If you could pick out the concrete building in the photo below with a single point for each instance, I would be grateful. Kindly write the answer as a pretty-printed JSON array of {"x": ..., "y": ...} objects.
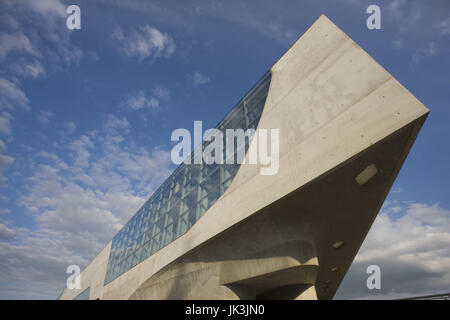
[{"x": 228, "y": 232}]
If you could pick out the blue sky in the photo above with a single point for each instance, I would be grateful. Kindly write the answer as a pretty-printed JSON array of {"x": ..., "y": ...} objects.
[{"x": 86, "y": 117}]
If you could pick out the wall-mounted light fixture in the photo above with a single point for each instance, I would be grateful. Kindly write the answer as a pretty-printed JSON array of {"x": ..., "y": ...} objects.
[{"x": 368, "y": 173}]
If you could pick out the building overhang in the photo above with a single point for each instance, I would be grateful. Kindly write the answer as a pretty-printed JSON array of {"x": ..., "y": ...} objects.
[{"x": 346, "y": 126}]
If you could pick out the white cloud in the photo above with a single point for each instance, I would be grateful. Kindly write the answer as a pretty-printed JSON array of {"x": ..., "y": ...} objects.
[
  {"x": 142, "y": 100},
  {"x": 406, "y": 14},
  {"x": 33, "y": 69},
  {"x": 414, "y": 28},
  {"x": 145, "y": 42},
  {"x": 399, "y": 43},
  {"x": 78, "y": 203},
  {"x": 200, "y": 79},
  {"x": 116, "y": 126},
  {"x": 5, "y": 123},
  {"x": 48, "y": 8},
  {"x": 11, "y": 96},
  {"x": 44, "y": 117},
  {"x": 70, "y": 54},
  {"x": 9, "y": 22},
  {"x": 48, "y": 155},
  {"x": 2, "y": 146},
  {"x": 17, "y": 42},
  {"x": 37, "y": 29},
  {"x": 81, "y": 149},
  {"x": 429, "y": 51},
  {"x": 397, "y": 190},
  {"x": 444, "y": 27},
  {"x": 411, "y": 244},
  {"x": 70, "y": 126},
  {"x": 38, "y": 258},
  {"x": 161, "y": 93},
  {"x": 273, "y": 27},
  {"x": 6, "y": 233},
  {"x": 32, "y": 32},
  {"x": 4, "y": 211},
  {"x": 5, "y": 162},
  {"x": 396, "y": 7}
]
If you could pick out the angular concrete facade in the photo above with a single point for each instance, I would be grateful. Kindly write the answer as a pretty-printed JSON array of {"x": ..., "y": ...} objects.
[{"x": 346, "y": 126}]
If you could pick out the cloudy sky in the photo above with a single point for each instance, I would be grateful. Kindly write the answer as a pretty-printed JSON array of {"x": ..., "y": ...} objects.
[{"x": 86, "y": 117}]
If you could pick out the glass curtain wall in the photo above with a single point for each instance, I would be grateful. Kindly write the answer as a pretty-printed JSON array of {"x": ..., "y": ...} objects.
[{"x": 186, "y": 195}]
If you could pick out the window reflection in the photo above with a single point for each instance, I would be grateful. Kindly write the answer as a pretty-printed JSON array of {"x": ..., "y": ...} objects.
[{"x": 85, "y": 295}]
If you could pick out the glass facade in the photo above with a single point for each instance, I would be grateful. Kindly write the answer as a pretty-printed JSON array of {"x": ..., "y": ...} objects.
[
  {"x": 186, "y": 195},
  {"x": 85, "y": 295}
]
